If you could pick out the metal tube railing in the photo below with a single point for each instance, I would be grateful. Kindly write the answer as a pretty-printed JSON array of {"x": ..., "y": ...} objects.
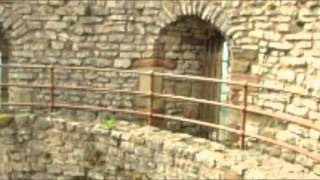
[
  {"x": 243, "y": 114},
  {"x": 243, "y": 108}
]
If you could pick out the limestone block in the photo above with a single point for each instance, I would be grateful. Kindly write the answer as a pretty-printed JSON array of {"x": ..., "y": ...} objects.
[
  {"x": 299, "y": 130},
  {"x": 283, "y": 27},
  {"x": 288, "y": 137},
  {"x": 122, "y": 63},
  {"x": 90, "y": 19},
  {"x": 239, "y": 66},
  {"x": 256, "y": 34},
  {"x": 281, "y": 19},
  {"x": 299, "y": 111},
  {"x": 274, "y": 105},
  {"x": 72, "y": 10},
  {"x": 98, "y": 10},
  {"x": 57, "y": 45},
  {"x": 299, "y": 36},
  {"x": 286, "y": 75},
  {"x": 293, "y": 61},
  {"x": 305, "y": 161},
  {"x": 272, "y": 36},
  {"x": 268, "y": 132},
  {"x": 95, "y": 175},
  {"x": 285, "y": 46},
  {"x": 55, "y": 25},
  {"x": 258, "y": 70},
  {"x": 316, "y": 169},
  {"x": 5, "y": 119},
  {"x": 314, "y": 115},
  {"x": 255, "y": 174}
]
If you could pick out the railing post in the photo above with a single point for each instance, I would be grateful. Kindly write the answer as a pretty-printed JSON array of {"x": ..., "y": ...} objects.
[
  {"x": 51, "y": 88},
  {"x": 151, "y": 97},
  {"x": 243, "y": 114}
]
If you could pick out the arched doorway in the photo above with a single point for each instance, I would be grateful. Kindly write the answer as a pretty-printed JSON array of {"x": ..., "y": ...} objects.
[{"x": 197, "y": 48}]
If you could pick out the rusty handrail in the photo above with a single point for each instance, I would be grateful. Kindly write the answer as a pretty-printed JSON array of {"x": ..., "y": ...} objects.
[
  {"x": 151, "y": 75},
  {"x": 244, "y": 108},
  {"x": 285, "y": 117},
  {"x": 51, "y": 88},
  {"x": 195, "y": 100},
  {"x": 239, "y": 132},
  {"x": 282, "y": 90},
  {"x": 198, "y": 78},
  {"x": 99, "y": 108},
  {"x": 24, "y": 85},
  {"x": 243, "y": 114},
  {"x": 280, "y": 116}
]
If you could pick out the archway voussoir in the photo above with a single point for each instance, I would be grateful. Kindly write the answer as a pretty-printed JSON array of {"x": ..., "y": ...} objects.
[
  {"x": 9, "y": 21},
  {"x": 200, "y": 7},
  {"x": 215, "y": 15},
  {"x": 19, "y": 31},
  {"x": 206, "y": 12},
  {"x": 194, "y": 7},
  {"x": 183, "y": 7},
  {"x": 188, "y": 10},
  {"x": 219, "y": 22},
  {"x": 224, "y": 27},
  {"x": 168, "y": 14}
]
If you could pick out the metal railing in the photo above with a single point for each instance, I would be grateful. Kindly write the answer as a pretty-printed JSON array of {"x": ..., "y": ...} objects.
[{"x": 243, "y": 108}]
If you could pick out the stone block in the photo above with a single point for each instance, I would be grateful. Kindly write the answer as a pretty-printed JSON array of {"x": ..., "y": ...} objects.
[
  {"x": 90, "y": 19},
  {"x": 5, "y": 119},
  {"x": 293, "y": 61},
  {"x": 122, "y": 63},
  {"x": 55, "y": 25},
  {"x": 305, "y": 161},
  {"x": 285, "y": 46},
  {"x": 244, "y": 54},
  {"x": 299, "y": 36},
  {"x": 298, "y": 111},
  {"x": 287, "y": 137},
  {"x": 286, "y": 75},
  {"x": 240, "y": 66},
  {"x": 299, "y": 130}
]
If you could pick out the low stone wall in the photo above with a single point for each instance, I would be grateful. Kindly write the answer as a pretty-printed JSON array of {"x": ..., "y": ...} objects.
[{"x": 51, "y": 148}]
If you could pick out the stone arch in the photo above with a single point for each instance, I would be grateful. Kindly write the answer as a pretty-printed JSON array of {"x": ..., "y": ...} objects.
[
  {"x": 12, "y": 28},
  {"x": 206, "y": 11},
  {"x": 214, "y": 23}
]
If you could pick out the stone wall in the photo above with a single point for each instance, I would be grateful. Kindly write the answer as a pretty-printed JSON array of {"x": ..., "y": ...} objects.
[
  {"x": 33, "y": 147},
  {"x": 276, "y": 43}
]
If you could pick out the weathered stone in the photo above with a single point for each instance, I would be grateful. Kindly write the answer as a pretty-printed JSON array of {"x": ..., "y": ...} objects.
[
  {"x": 57, "y": 45},
  {"x": 314, "y": 134},
  {"x": 298, "y": 36},
  {"x": 240, "y": 66},
  {"x": 5, "y": 119},
  {"x": 287, "y": 137},
  {"x": 285, "y": 46},
  {"x": 90, "y": 20},
  {"x": 122, "y": 63},
  {"x": 293, "y": 61},
  {"x": 305, "y": 161},
  {"x": 55, "y": 25},
  {"x": 298, "y": 130},
  {"x": 244, "y": 54},
  {"x": 299, "y": 111},
  {"x": 287, "y": 75}
]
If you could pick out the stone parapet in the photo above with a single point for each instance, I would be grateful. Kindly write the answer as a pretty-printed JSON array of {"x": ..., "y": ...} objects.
[{"x": 34, "y": 147}]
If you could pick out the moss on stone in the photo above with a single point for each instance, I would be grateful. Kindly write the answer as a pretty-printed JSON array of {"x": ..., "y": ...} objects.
[{"x": 5, "y": 119}]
